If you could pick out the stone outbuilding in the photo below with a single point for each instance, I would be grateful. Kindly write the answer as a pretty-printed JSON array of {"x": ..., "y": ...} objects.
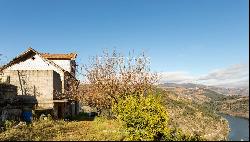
[{"x": 45, "y": 76}]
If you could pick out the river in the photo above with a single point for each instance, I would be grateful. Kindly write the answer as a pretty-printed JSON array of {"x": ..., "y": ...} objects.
[{"x": 239, "y": 128}]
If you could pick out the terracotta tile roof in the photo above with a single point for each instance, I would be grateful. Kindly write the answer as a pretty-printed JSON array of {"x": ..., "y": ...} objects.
[{"x": 70, "y": 56}]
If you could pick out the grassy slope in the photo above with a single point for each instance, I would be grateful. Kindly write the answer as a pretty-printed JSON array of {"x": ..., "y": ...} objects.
[{"x": 96, "y": 130}]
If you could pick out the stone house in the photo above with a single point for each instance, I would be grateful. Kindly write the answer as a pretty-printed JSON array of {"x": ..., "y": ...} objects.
[{"x": 46, "y": 77}]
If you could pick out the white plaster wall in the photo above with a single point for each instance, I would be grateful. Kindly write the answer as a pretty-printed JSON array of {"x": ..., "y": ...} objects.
[
  {"x": 37, "y": 64},
  {"x": 30, "y": 64},
  {"x": 65, "y": 64}
]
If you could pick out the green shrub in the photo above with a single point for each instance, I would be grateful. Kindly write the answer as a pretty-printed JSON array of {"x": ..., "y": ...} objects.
[
  {"x": 145, "y": 118},
  {"x": 174, "y": 134}
]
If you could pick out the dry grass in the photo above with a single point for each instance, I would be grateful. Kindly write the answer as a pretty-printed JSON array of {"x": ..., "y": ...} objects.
[{"x": 96, "y": 130}]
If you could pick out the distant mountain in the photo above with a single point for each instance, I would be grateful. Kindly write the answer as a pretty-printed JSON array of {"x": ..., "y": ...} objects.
[
  {"x": 232, "y": 101},
  {"x": 220, "y": 90},
  {"x": 231, "y": 91},
  {"x": 184, "y": 85}
]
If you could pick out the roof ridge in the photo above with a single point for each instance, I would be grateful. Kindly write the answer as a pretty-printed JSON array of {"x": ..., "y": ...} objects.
[
  {"x": 23, "y": 53},
  {"x": 71, "y": 56},
  {"x": 36, "y": 52}
]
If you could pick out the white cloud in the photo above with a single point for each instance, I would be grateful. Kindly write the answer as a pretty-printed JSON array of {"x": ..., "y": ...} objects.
[
  {"x": 233, "y": 72},
  {"x": 233, "y": 76},
  {"x": 176, "y": 77}
]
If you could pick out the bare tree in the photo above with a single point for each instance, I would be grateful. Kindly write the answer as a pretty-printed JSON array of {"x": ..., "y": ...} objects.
[
  {"x": 111, "y": 77},
  {"x": 71, "y": 89},
  {"x": 0, "y": 61}
]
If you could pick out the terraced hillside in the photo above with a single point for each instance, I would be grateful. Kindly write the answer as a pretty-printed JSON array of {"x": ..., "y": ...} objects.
[
  {"x": 193, "y": 117},
  {"x": 236, "y": 105}
]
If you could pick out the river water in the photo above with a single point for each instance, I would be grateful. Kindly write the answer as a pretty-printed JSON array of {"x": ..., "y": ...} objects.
[{"x": 239, "y": 128}]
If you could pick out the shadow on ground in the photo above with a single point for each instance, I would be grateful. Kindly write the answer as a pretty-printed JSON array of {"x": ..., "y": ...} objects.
[{"x": 83, "y": 116}]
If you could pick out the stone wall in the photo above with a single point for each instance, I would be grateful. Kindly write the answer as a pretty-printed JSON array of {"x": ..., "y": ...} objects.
[
  {"x": 7, "y": 90},
  {"x": 42, "y": 84},
  {"x": 57, "y": 84},
  {"x": 10, "y": 107},
  {"x": 36, "y": 63}
]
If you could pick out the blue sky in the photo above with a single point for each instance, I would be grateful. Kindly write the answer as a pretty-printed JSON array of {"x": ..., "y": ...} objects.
[{"x": 194, "y": 37}]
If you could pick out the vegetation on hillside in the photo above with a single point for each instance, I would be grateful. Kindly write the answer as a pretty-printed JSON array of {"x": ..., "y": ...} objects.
[
  {"x": 122, "y": 86},
  {"x": 145, "y": 118},
  {"x": 137, "y": 109},
  {"x": 193, "y": 117},
  {"x": 236, "y": 105},
  {"x": 233, "y": 105}
]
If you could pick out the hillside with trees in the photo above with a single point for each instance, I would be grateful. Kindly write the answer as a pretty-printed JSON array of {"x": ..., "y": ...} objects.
[{"x": 213, "y": 98}]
